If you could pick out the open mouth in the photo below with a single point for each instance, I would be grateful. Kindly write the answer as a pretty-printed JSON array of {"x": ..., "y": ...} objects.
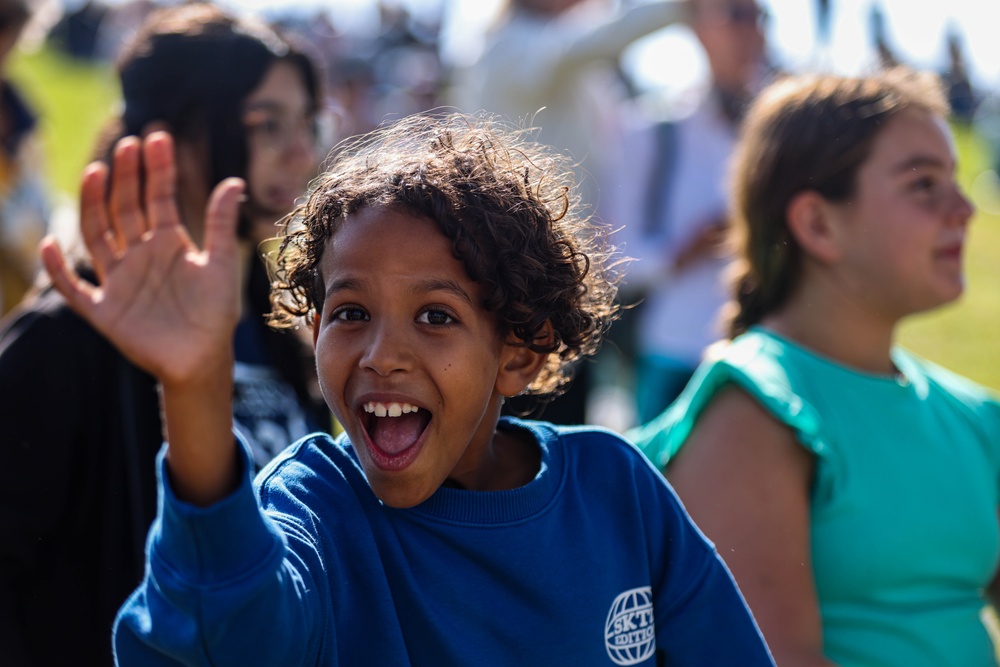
[{"x": 394, "y": 432}]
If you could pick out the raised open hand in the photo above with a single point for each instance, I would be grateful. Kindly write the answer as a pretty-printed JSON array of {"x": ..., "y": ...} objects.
[{"x": 170, "y": 307}]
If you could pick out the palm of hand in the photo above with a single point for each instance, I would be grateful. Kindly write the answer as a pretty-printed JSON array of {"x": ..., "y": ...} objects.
[{"x": 168, "y": 306}]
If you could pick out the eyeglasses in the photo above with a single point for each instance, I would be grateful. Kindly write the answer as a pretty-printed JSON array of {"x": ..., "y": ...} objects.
[{"x": 278, "y": 132}]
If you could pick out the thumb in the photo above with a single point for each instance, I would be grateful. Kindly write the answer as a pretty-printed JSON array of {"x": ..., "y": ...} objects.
[{"x": 79, "y": 294}]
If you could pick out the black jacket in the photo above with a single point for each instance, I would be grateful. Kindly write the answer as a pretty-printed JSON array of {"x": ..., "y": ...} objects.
[{"x": 79, "y": 432}]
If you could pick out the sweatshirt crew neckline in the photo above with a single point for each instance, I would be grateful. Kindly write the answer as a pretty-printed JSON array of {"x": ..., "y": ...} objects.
[{"x": 508, "y": 506}]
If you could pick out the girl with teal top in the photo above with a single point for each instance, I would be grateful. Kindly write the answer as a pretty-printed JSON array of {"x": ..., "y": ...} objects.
[{"x": 851, "y": 486}]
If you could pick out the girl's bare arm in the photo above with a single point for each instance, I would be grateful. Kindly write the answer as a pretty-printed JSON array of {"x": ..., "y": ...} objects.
[{"x": 745, "y": 482}]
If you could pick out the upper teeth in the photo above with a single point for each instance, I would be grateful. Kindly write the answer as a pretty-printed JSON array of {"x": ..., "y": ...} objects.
[{"x": 389, "y": 409}]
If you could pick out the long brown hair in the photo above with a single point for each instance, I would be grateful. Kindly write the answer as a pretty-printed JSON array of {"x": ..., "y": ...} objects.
[{"x": 806, "y": 132}]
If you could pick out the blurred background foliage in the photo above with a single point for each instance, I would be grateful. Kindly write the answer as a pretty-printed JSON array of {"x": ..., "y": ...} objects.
[{"x": 74, "y": 98}]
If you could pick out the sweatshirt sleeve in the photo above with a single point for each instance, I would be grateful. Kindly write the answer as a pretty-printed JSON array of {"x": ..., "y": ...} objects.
[
  {"x": 221, "y": 587},
  {"x": 701, "y": 616}
]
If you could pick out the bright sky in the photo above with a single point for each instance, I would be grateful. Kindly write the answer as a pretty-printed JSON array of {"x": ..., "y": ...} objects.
[{"x": 915, "y": 28}]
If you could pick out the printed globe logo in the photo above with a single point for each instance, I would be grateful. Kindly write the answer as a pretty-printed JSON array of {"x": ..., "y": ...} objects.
[{"x": 630, "y": 635}]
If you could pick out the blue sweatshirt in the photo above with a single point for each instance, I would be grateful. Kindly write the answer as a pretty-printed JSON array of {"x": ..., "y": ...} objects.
[{"x": 594, "y": 562}]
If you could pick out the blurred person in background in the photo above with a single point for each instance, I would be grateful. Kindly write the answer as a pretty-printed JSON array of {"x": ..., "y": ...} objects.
[
  {"x": 553, "y": 65},
  {"x": 81, "y": 424},
  {"x": 670, "y": 203},
  {"x": 962, "y": 95},
  {"x": 24, "y": 204},
  {"x": 885, "y": 52},
  {"x": 376, "y": 73},
  {"x": 75, "y": 32},
  {"x": 853, "y": 487}
]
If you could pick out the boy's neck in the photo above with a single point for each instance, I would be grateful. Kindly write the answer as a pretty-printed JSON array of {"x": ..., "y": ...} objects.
[{"x": 513, "y": 460}]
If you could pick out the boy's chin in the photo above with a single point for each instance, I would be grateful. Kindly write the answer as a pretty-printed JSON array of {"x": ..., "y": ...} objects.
[
  {"x": 393, "y": 495},
  {"x": 398, "y": 489}
]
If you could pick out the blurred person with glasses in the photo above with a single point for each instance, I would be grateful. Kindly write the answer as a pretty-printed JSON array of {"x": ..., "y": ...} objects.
[
  {"x": 670, "y": 204},
  {"x": 287, "y": 138},
  {"x": 82, "y": 424}
]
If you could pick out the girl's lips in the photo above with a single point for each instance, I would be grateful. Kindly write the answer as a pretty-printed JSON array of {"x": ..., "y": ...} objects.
[{"x": 951, "y": 252}]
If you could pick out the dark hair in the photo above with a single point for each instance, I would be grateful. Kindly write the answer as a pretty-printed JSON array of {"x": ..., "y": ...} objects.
[
  {"x": 806, "y": 132},
  {"x": 509, "y": 208},
  {"x": 14, "y": 13},
  {"x": 191, "y": 66}
]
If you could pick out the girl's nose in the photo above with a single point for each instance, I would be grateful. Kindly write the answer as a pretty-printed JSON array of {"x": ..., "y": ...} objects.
[
  {"x": 963, "y": 209},
  {"x": 299, "y": 152}
]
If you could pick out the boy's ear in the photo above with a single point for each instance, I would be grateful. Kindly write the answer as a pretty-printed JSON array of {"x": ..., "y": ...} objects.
[
  {"x": 520, "y": 365},
  {"x": 812, "y": 223}
]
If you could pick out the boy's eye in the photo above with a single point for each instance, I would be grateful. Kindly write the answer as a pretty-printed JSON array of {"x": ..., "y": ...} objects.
[
  {"x": 350, "y": 314},
  {"x": 436, "y": 317}
]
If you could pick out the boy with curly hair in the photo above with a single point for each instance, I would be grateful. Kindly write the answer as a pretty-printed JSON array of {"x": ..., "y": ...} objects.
[{"x": 444, "y": 267}]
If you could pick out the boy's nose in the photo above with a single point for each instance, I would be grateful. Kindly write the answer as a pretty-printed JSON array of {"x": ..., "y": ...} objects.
[{"x": 388, "y": 349}]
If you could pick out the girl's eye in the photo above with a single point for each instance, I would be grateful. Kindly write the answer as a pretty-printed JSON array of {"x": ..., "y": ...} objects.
[
  {"x": 271, "y": 126},
  {"x": 435, "y": 317},
  {"x": 350, "y": 314},
  {"x": 925, "y": 184}
]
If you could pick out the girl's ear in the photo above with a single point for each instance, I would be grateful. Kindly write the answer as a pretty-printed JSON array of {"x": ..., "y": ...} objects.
[
  {"x": 812, "y": 223},
  {"x": 315, "y": 328},
  {"x": 520, "y": 365}
]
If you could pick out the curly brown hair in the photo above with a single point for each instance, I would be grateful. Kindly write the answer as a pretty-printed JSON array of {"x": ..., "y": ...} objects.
[{"x": 507, "y": 204}]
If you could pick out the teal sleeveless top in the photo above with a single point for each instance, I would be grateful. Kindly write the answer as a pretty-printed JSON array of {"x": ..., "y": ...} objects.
[{"x": 905, "y": 532}]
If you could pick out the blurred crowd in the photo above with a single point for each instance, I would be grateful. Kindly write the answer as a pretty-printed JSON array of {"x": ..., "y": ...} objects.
[
  {"x": 652, "y": 166},
  {"x": 577, "y": 91}
]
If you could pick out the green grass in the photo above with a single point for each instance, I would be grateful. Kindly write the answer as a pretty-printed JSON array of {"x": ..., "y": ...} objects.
[
  {"x": 965, "y": 336},
  {"x": 75, "y": 100}
]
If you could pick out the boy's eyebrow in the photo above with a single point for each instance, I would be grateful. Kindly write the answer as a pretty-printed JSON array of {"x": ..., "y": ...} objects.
[
  {"x": 342, "y": 285},
  {"x": 442, "y": 285},
  {"x": 418, "y": 287}
]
